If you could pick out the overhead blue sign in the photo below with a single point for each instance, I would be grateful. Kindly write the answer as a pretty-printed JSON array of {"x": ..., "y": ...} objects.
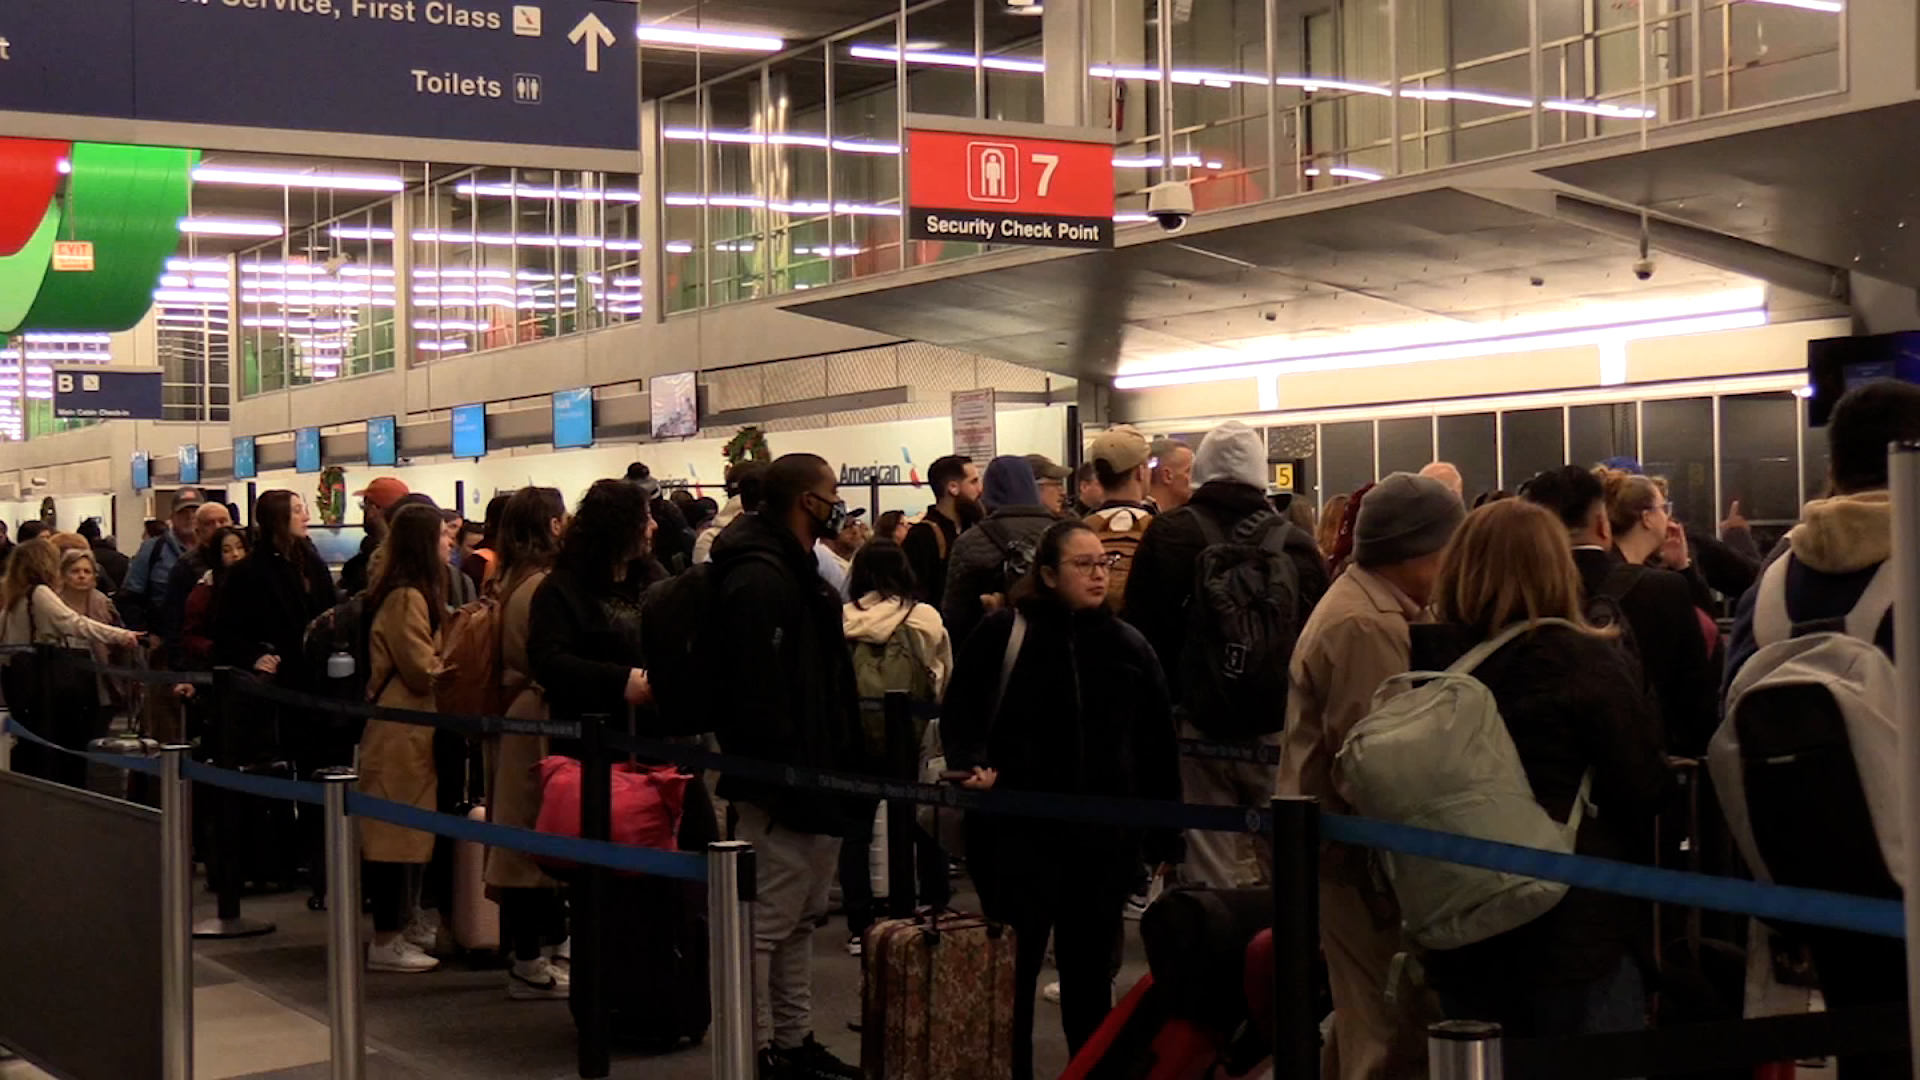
[
  {"x": 306, "y": 450},
  {"x": 246, "y": 461},
  {"x": 381, "y": 448},
  {"x": 470, "y": 431},
  {"x": 142, "y": 471},
  {"x": 189, "y": 464},
  {"x": 104, "y": 393},
  {"x": 572, "y": 418},
  {"x": 546, "y": 72}
]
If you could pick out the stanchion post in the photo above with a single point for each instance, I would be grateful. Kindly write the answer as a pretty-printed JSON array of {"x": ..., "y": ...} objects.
[
  {"x": 176, "y": 915},
  {"x": 344, "y": 958},
  {"x": 1463, "y": 1050},
  {"x": 229, "y": 880},
  {"x": 1296, "y": 935},
  {"x": 590, "y": 903},
  {"x": 1904, "y": 472},
  {"x": 903, "y": 758},
  {"x": 731, "y": 884}
]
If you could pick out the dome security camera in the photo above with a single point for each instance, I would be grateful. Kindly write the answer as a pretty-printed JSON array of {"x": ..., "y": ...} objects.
[
  {"x": 1171, "y": 205},
  {"x": 1643, "y": 268}
]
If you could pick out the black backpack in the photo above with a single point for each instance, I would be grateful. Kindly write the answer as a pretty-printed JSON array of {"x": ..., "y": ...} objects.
[
  {"x": 1242, "y": 622},
  {"x": 680, "y": 642},
  {"x": 346, "y": 627},
  {"x": 1016, "y": 553},
  {"x": 140, "y": 610}
]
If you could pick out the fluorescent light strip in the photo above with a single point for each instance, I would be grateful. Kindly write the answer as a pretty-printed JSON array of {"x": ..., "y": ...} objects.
[
  {"x": 1830, "y": 7},
  {"x": 710, "y": 39},
  {"x": 1701, "y": 324},
  {"x": 208, "y": 266},
  {"x": 1349, "y": 173},
  {"x": 223, "y": 227},
  {"x": 1187, "y": 77},
  {"x": 67, "y": 339},
  {"x": 221, "y": 174},
  {"x": 427, "y": 236},
  {"x": 529, "y": 191},
  {"x": 755, "y": 138}
]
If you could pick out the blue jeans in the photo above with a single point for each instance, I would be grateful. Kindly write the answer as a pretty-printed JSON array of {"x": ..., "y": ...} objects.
[{"x": 1613, "y": 1002}]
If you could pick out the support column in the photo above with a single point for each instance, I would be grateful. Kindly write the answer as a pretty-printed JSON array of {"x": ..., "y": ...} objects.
[
  {"x": 1064, "y": 45},
  {"x": 653, "y": 211}
]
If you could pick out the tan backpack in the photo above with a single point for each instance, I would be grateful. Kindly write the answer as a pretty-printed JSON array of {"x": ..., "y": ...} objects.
[{"x": 1120, "y": 529}]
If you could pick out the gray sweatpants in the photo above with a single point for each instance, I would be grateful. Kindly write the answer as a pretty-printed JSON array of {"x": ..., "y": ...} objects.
[
  {"x": 795, "y": 872},
  {"x": 1222, "y": 860}
]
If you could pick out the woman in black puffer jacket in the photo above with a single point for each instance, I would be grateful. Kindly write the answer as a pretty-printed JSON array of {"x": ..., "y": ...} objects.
[
  {"x": 1085, "y": 712},
  {"x": 1571, "y": 703}
]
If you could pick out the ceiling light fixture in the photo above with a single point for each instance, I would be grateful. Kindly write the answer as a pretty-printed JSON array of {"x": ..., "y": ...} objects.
[
  {"x": 528, "y": 191},
  {"x": 222, "y": 174},
  {"x": 1346, "y": 171},
  {"x": 710, "y": 39},
  {"x": 1309, "y": 84},
  {"x": 1830, "y": 7},
  {"x": 225, "y": 227}
]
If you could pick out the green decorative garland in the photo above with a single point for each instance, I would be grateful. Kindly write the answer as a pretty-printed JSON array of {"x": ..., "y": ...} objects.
[
  {"x": 747, "y": 444},
  {"x": 331, "y": 498}
]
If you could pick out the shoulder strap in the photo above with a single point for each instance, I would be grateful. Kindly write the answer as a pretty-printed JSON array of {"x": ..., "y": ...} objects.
[
  {"x": 1480, "y": 653},
  {"x": 1771, "y": 623},
  {"x": 1210, "y": 531},
  {"x": 1872, "y": 608},
  {"x": 1011, "y": 657}
]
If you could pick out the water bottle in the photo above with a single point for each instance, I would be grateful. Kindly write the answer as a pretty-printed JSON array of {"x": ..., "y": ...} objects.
[{"x": 340, "y": 665}]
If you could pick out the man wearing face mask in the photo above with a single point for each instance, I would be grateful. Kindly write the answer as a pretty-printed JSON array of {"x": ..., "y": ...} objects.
[{"x": 791, "y": 700}]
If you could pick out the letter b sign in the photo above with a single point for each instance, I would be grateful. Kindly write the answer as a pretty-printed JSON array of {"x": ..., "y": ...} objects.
[{"x": 65, "y": 381}]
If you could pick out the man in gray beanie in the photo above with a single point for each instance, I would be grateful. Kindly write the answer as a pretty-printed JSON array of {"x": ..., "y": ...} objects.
[
  {"x": 1358, "y": 637},
  {"x": 1229, "y": 509}
]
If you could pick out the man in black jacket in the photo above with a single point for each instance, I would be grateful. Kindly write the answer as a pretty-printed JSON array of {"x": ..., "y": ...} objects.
[
  {"x": 111, "y": 563},
  {"x": 956, "y": 488},
  {"x": 1657, "y": 604},
  {"x": 1230, "y": 469},
  {"x": 790, "y": 699}
]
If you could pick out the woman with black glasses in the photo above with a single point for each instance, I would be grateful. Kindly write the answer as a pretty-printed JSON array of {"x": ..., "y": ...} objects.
[{"x": 1057, "y": 695}]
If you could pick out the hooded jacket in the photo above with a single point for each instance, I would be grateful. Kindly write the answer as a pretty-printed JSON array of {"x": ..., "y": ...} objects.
[
  {"x": 975, "y": 566},
  {"x": 1569, "y": 700},
  {"x": 787, "y": 688},
  {"x": 1678, "y": 670},
  {"x": 875, "y": 619},
  {"x": 703, "y": 544},
  {"x": 1161, "y": 581},
  {"x": 1836, "y": 549}
]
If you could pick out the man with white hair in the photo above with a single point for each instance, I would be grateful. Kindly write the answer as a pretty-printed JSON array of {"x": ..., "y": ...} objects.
[{"x": 1448, "y": 474}]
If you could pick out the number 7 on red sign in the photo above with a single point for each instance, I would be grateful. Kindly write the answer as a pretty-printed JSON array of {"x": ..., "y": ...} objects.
[{"x": 1049, "y": 162}]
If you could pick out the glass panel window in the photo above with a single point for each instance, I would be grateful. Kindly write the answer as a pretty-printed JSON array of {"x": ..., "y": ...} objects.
[
  {"x": 1468, "y": 441},
  {"x": 1759, "y": 460},
  {"x": 1348, "y": 456},
  {"x": 1601, "y": 432},
  {"x": 1679, "y": 447},
  {"x": 1406, "y": 444},
  {"x": 1532, "y": 441},
  {"x": 799, "y": 200},
  {"x": 866, "y": 161}
]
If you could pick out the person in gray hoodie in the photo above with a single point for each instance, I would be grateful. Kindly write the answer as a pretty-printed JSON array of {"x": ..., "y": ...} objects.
[{"x": 990, "y": 557}]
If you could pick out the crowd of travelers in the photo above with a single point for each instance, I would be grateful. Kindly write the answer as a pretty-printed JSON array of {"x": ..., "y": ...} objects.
[{"x": 1074, "y": 631}]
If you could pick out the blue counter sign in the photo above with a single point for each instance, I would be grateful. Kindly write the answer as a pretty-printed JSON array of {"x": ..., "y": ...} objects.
[
  {"x": 470, "y": 431},
  {"x": 246, "y": 461},
  {"x": 572, "y": 418},
  {"x": 142, "y": 471},
  {"x": 189, "y": 463},
  {"x": 382, "y": 451},
  {"x": 306, "y": 450}
]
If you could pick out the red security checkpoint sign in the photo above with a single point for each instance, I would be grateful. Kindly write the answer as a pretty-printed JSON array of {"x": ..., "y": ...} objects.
[{"x": 1004, "y": 183}]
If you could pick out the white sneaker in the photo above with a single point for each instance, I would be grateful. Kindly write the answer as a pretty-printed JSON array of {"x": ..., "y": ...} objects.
[
  {"x": 537, "y": 980},
  {"x": 564, "y": 951},
  {"x": 401, "y": 956},
  {"x": 1051, "y": 993}
]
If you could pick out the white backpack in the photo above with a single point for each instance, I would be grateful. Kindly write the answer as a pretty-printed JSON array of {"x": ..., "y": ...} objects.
[
  {"x": 1434, "y": 753},
  {"x": 1818, "y": 707}
]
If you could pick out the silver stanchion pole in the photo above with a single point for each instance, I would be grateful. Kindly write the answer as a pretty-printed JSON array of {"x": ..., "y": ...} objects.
[
  {"x": 1904, "y": 465},
  {"x": 1463, "y": 1050},
  {"x": 730, "y": 893},
  {"x": 176, "y": 915},
  {"x": 344, "y": 998}
]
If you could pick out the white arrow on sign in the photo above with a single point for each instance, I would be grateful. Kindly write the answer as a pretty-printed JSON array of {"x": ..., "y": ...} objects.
[{"x": 596, "y": 34}]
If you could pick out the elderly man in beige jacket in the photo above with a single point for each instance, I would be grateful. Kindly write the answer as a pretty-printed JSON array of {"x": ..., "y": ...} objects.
[{"x": 1358, "y": 637}]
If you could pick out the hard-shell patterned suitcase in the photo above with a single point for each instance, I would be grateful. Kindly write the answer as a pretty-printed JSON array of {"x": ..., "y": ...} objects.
[{"x": 938, "y": 999}]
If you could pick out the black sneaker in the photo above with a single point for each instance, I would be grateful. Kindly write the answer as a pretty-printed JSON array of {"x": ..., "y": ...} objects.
[{"x": 808, "y": 1061}]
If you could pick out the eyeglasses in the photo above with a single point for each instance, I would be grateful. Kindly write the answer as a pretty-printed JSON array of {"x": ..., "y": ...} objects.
[{"x": 1088, "y": 564}]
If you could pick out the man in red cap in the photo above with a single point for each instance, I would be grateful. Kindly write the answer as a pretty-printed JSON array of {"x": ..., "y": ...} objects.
[{"x": 375, "y": 500}]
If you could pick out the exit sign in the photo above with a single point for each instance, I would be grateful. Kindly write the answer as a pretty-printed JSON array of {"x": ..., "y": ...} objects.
[{"x": 73, "y": 255}]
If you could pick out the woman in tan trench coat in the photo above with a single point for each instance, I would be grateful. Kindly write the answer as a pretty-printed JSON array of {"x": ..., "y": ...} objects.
[
  {"x": 407, "y": 596},
  {"x": 532, "y": 919}
]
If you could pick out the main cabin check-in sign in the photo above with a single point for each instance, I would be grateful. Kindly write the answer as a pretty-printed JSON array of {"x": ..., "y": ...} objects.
[
  {"x": 1004, "y": 183},
  {"x": 537, "y": 72}
]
